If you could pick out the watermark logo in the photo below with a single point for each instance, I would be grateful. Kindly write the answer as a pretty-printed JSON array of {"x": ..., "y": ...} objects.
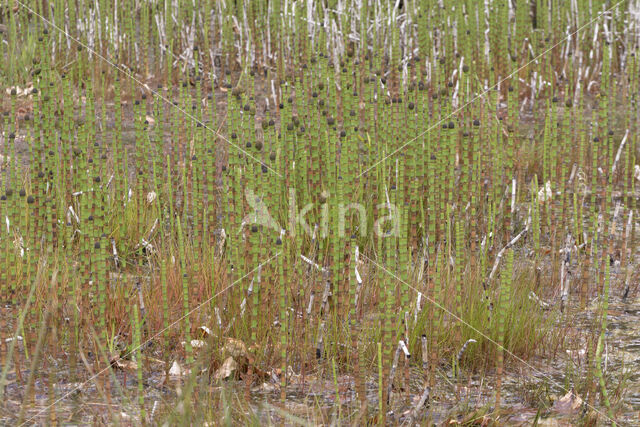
[{"x": 386, "y": 224}]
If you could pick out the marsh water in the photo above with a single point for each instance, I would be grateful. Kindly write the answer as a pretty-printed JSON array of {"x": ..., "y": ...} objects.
[{"x": 540, "y": 388}]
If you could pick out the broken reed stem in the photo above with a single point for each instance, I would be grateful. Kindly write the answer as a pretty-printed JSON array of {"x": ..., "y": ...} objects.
[
  {"x": 392, "y": 372},
  {"x": 424, "y": 397},
  {"x": 620, "y": 148},
  {"x": 456, "y": 366},
  {"x": 508, "y": 245},
  {"x": 564, "y": 272}
]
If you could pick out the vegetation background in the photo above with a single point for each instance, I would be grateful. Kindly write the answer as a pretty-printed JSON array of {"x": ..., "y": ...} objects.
[{"x": 467, "y": 170}]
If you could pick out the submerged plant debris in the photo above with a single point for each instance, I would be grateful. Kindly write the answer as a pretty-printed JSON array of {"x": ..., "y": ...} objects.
[{"x": 319, "y": 212}]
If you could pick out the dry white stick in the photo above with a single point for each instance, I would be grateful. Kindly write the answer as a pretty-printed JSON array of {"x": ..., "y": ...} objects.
[
  {"x": 573, "y": 173},
  {"x": 461, "y": 353},
  {"x": 358, "y": 278},
  {"x": 513, "y": 195},
  {"x": 404, "y": 349},
  {"x": 147, "y": 246},
  {"x": 616, "y": 212},
  {"x": 311, "y": 298},
  {"x": 506, "y": 192},
  {"x": 392, "y": 373},
  {"x": 484, "y": 240},
  {"x": 153, "y": 410},
  {"x": 425, "y": 351},
  {"x": 115, "y": 253},
  {"x": 418, "y": 307},
  {"x": 564, "y": 270},
  {"x": 243, "y": 305},
  {"x": 153, "y": 228},
  {"x": 423, "y": 399},
  {"x": 218, "y": 319},
  {"x": 310, "y": 262},
  {"x": 501, "y": 253},
  {"x": 145, "y": 242},
  {"x": 325, "y": 295},
  {"x": 73, "y": 214},
  {"x": 320, "y": 345},
  {"x": 143, "y": 310},
  {"x": 536, "y": 298}
]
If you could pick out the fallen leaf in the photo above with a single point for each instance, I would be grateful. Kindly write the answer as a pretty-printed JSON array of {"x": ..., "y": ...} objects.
[
  {"x": 177, "y": 371},
  {"x": 545, "y": 193},
  {"x": 125, "y": 365},
  {"x": 265, "y": 388},
  {"x": 235, "y": 348},
  {"x": 196, "y": 344},
  {"x": 227, "y": 369},
  {"x": 567, "y": 404},
  {"x": 124, "y": 417}
]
